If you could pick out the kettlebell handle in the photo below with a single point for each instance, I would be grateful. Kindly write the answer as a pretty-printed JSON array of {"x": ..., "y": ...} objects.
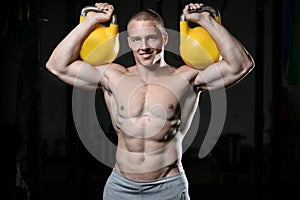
[
  {"x": 87, "y": 9},
  {"x": 213, "y": 12}
]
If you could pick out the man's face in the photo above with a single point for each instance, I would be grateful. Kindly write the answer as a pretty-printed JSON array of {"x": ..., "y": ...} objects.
[{"x": 146, "y": 41}]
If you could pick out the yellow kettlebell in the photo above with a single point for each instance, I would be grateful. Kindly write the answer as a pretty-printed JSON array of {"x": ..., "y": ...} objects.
[
  {"x": 102, "y": 44},
  {"x": 197, "y": 48}
]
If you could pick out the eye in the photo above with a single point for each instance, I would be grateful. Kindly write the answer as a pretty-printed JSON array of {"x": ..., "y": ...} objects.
[
  {"x": 136, "y": 39},
  {"x": 152, "y": 37}
]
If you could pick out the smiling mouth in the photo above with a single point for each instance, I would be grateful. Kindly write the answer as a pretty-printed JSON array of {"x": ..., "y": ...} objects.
[{"x": 146, "y": 55}]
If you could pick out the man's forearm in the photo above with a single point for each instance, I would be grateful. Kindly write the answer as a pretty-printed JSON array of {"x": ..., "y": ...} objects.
[
  {"x": 231, "y": 50},
  {"x": 68, "y": 49}
]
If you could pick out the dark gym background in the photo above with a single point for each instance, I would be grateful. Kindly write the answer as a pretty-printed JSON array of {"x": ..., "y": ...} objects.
[{"x": 256, "y": 157}]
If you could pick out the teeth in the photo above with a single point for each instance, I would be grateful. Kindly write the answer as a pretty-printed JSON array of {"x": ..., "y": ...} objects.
[{"x": 146, "y": 55}]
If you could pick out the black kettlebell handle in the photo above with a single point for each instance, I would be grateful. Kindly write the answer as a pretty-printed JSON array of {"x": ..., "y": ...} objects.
[
  {"x": 213, "y": 12},
  {"x": 87, "y": 9}
]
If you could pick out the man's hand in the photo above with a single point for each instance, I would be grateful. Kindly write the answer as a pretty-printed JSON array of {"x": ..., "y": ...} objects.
[
  {"x": 101, "y": 17},
  {"x": 195, "y": 17}
]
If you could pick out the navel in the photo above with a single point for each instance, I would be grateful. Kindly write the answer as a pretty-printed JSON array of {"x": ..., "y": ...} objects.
[{"x": 122, "y": 107}]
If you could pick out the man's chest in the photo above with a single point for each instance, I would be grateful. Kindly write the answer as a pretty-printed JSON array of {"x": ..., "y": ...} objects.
[{"x": 161, "y": 97}]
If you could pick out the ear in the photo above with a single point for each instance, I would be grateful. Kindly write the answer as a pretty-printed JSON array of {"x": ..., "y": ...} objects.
[
  {"x": 165, "y": 38},
  {"x": 128, "y": 41}
]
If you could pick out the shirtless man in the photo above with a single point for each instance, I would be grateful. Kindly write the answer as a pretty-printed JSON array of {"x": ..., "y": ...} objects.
[{"x": 151, "y": 103}]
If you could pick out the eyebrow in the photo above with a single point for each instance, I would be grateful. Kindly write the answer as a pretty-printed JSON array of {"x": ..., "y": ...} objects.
[{"x": 136, "y": 37}]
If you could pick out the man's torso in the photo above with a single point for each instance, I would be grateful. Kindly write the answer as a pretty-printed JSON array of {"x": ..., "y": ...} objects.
[{"x": 148, "y": 117}]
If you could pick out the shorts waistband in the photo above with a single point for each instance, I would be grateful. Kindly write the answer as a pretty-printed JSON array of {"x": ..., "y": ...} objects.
[{"x": 175, "y": 177}]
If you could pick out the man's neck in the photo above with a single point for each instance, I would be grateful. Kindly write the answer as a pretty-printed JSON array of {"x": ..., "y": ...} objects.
[{"x": 148, "y": 72}]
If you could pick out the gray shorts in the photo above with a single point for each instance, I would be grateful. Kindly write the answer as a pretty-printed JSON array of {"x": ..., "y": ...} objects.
[{"x": 119, "y": 187}]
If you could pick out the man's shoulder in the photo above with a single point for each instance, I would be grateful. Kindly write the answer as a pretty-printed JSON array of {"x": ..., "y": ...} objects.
[
  {"x": 187, "y": 72},
  {"x": 172, "y": 70},
  {"x": 118, "y": 67},
  {"x": 185, "y": 68}
]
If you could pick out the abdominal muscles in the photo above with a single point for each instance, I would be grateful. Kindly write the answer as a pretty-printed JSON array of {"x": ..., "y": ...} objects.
[{"x": 148, "y": 144}]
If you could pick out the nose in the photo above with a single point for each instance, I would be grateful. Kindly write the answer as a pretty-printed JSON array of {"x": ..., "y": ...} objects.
[{"x": 145, "y": 45}]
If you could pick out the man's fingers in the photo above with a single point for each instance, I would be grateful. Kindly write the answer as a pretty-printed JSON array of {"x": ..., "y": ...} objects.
[
  {"x": 104, "y": 6},
  {"x": 195, "y": 6}
]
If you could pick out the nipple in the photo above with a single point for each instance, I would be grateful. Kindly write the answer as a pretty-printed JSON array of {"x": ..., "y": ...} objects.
[{"x": 170, "y": 106}]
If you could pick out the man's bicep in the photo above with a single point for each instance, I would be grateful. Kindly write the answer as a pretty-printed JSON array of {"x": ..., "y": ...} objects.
[
  {"x": 213, "y": 77},
  {"x": 84, "y": 75},
  {"x": 81, "y": 74}
]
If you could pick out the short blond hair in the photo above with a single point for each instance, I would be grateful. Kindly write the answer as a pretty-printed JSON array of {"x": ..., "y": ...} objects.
[{"x": 147, "y": 14}]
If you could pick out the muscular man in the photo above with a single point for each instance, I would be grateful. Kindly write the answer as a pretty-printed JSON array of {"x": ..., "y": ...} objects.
[{"x": 151, "y": 103}]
